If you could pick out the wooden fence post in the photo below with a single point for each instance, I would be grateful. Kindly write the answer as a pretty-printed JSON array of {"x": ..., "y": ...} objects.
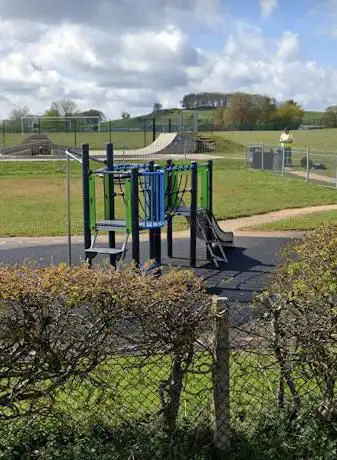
[{"x": 221, "y": 397}]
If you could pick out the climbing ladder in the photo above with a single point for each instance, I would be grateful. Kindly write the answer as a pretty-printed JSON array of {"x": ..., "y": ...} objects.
[{"x": 143, "y": 195}]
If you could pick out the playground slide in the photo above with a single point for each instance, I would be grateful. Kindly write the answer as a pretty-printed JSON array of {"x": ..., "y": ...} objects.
[{"x": 208, "y": 220}]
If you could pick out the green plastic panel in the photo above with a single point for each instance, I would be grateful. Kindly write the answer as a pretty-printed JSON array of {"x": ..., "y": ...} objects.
[
  {"x": 106, "y": 197},
  {"x": 203, "y": 172},
  {"x": 128, "y": 209},
  {"x": 92, "y": 203}
]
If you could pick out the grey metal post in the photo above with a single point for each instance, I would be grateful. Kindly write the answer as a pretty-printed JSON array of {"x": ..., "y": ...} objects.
[
  {"x": 86, "y": 197},
  {"x": 68, "y": 212},
  {"x": 193, "y": 216},
  {"x": 308, "y": 166},
  {"x": 110, "y": 198},
  {"x": 283, "y": 159},
  {"x": 135, "y": 216},
  {"x": 262, "y": 157}
]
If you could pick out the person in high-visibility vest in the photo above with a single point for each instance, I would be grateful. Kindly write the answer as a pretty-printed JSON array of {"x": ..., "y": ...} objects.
[{"x": 286, "y": 140}]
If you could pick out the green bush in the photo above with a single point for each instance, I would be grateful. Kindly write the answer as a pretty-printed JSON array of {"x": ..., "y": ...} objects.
[
  {"x": 59, "y": 324},
  {"x": 58, "y": 438},
  {"x": 301, "y": 299}
]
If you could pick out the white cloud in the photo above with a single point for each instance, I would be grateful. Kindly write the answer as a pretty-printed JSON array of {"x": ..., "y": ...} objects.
[
  {"x": 128, "y": 55},
  {"x": 288, "y": 46},
  {"x": 267, "y": 7}
]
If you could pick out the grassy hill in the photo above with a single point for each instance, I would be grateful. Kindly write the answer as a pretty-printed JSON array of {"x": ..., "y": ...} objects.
[
  {"x": 312, "y": 116},
  {"x": 162, "y": 117},
  {"x": 205, "y": 117}
]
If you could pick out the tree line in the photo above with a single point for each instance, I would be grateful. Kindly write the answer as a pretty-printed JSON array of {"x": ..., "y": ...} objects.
[
  {"x": 243, "y": 109},
  {"x": 230, "y": 110}
]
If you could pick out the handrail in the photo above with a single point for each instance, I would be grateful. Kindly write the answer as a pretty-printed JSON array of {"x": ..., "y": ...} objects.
[{"x": 73, "y": 154}]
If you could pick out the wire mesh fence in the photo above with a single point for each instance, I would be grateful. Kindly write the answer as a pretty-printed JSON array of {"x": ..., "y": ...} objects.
[
  {"x": 230, "y": 381},
  {"x": 309, "y": 163}
]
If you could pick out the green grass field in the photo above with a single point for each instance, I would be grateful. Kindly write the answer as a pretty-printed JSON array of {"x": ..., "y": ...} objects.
[
  {"x": 227, "y": 141},
  {"x": 318, "y": 139},
  {"x": 34, "y": 196},
  {"x": 121, "y": 139},
  {"x": 301, "y": 223}
]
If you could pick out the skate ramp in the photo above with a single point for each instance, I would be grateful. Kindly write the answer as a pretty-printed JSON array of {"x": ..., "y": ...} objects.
[{"x": 165, "y": 144}]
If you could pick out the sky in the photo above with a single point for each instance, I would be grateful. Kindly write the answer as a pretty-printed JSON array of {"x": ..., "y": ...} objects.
[{"x": 126, "y": 55}]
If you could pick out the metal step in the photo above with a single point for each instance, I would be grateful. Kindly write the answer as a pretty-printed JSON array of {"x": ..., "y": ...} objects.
[
  {"x": 186, "y": 211},
  {"x": 110, "y": 251},
  {"x": 110, "y": 225}
]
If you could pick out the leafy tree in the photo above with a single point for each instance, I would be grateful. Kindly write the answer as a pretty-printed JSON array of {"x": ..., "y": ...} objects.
[
  {"x": 330, "y": 116},
  {"x": 157, "y": 107},
  {"x": 47, "y": 124},
  {"x": 18, "y": 112},
  {"x": 125, "y": 115},
  {"x": 65, "y": 107},
  {"x": 218, "y": 118},
  {"x": 289, "y": 113}
]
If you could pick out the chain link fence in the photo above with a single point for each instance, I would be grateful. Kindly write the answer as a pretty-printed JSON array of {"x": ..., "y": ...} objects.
[
  {"x": 235, "y": 378},
  {"x": 308, "y": 163}
]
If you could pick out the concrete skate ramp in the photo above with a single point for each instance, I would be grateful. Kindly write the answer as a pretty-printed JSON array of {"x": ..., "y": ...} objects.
[{"x": 165, "y": 144}]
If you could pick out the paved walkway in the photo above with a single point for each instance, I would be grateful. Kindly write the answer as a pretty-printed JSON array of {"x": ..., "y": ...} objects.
[
  {"x": 238, "y": 226},
  {"x": 312, "y": 176}
]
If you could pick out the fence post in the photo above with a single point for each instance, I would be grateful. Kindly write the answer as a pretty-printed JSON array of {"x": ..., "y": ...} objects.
[
  {"x": 336, "y": 171},
  {"x": 262, "y": 157},
  {"x": 283, "y": 159},
  {"x": 144, "y": 129},
  {"x": 68, "y": 212},
  {"x": 135, "y": 216},
  {"x": 153, "y": 129},
  {"x": 86, "y": 196},
  {"x": 109, "y": 198},
  {"x": 4, "y": 134},
  {"x": 193, "y": 216},
  {"x": 308, "y": 165},
  {"x": 221, "y": 373}
]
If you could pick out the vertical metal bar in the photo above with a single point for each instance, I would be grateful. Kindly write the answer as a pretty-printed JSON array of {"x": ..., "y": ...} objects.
[
  {"x": 110, "y": 198},
  {"x": 153, "y": 129},
  {"x": 210, "y": 201},
  {"x": 170, "y": 125},
  {"x": 210, "y": 185},
  {"x": 144, "y": 128},
  {"x": 157, "y": 231},
  {"x": 169, "y": 201},
  {"x": 308, "y": 166},
  {"x": 283, "y": 160},
  {"x": 262, "y": 157},
  {"x": 135, "y": 216},
  {"x": 68, "y": 212},
  {"x": 75, "y": 133},
  {"x": 193, "y": 217},
  {"x": 151, "y": 232},
  {"x": 86, "y": 198},
  {"x": 110, "y": 129},
  {"x": 3, "y": 133}
]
